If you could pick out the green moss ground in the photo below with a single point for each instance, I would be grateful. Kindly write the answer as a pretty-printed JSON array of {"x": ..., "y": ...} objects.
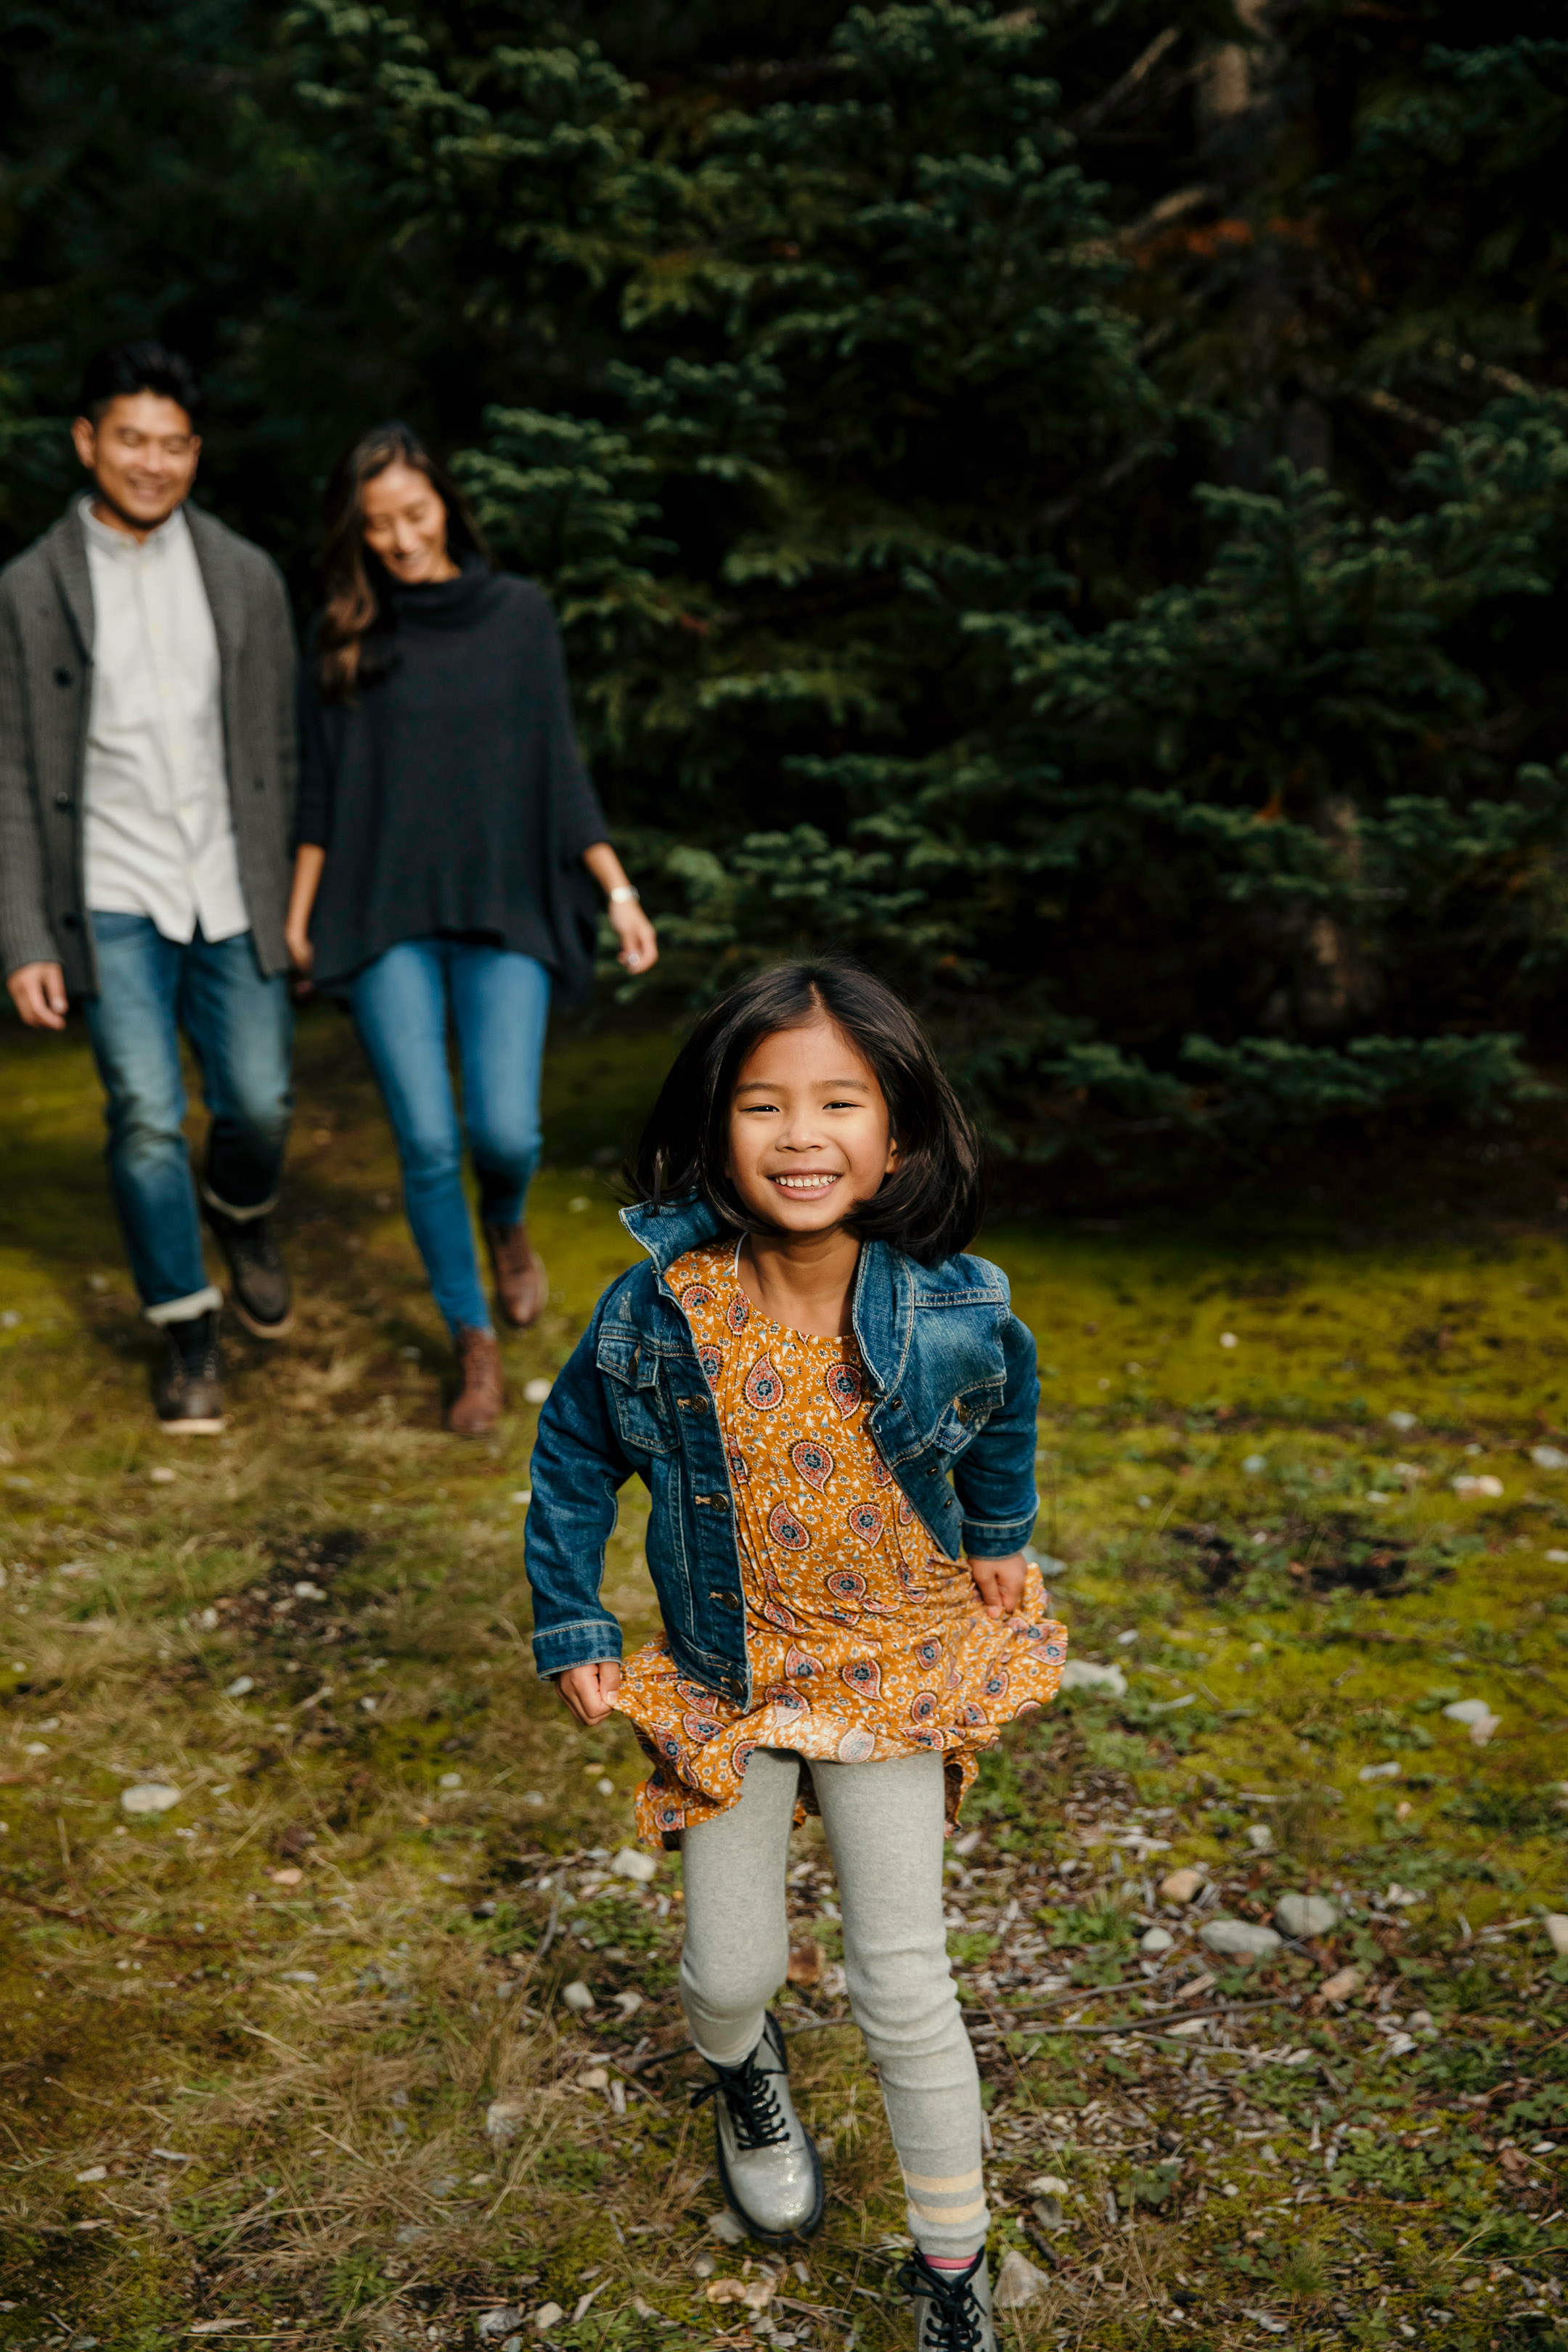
[{"x": 252, "y": 2043}]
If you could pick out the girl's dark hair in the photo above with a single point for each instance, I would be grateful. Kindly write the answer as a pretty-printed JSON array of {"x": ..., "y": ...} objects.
[
  {"x": 930, "y": 1204},
  {"x": 354, "y": 602}
]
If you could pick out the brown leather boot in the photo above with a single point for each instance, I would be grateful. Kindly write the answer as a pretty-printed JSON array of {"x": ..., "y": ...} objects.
[
  {"x": 477, "y": 1407},
  {"x": 522, "y": 1283}
]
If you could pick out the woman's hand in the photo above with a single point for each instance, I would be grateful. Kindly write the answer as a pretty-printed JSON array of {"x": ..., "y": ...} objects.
[
  {"x": 1000, "y": 1582},
  {"x": 301, "y": 954},
  {"x": 588, "y": 1690},
  {"x": 309, "y": 860},
  {"x": 639, "y": 941}
]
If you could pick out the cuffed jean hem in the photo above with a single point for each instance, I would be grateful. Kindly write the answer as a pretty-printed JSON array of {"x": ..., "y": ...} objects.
[
  {"x": 183, "y": 1311},
  {"x": 226, "y": 1208}
]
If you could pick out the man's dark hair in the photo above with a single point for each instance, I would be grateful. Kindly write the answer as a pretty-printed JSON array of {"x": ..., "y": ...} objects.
[
  {"x": 126, "y": 369},
  {"x": 931, "y": 1203}
]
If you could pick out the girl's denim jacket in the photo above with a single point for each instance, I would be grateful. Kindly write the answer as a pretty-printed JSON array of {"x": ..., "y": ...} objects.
[{"x": 954, "y": 1389}]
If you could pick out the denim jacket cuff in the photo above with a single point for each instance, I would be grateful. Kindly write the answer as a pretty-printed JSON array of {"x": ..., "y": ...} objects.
[
  {"x": 997, "y": 1539},
  {"x": 586, "y": 1642}
]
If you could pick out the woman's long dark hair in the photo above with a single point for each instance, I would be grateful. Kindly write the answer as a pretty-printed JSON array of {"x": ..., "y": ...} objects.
[
  {"x": 929, "y": 1206},
  {"x": 353, "y": 584}
]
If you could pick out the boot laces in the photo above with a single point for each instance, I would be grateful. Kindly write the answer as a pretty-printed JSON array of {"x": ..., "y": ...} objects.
[
  {"x": 955, "y": 2322},
  {"x": 753, "y": 2107}
]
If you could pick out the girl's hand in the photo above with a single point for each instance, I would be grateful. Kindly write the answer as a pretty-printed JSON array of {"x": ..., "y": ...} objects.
[
  {"x": 639, "y": 941},
  {"x": 1000, "y": 1582},
  {"x": 588, "y": 1690}
]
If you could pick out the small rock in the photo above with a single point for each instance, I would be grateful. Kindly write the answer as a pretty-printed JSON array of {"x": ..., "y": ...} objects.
[
  {"x": 1228, "y": 1339},
  {"x": 804, "y": 1962},
  {"x": 728, "y": 2228},
  {"x": 1401, "y": 1421},
  {"x": 1548, "y": 1457},
  {"x": 306, "y": 1591},
  {"x": 1048, "y": 2184},
  {"x": 537, "y": 1392},
  {"x": 241, "y": 1686},
  {"x": 287, "y": 1877},
  {"x": 1556, "y": 1925},
  {"x": 1304, "y": 1916},
  {"x": 1255, "y": 1465},
  {"x": 548, "y": 2316},
  {"x": 94, "y": 2172},
  {"x": 632, "y": 1863},
  {"x": 629, "y": 2003},
  {"x": 596, "y": 2078},
  {"x": 578, "y": 1997},
  {"x": 1341, "y": 1984},
  {"x": 149, "y": 1797},
  {"x": 161, "y": 1477},
  {"x": 1155, "y": 1939},
  {"x": 704, "y": 2266},
  {"x": 1238, "y": 1939},
  {"x": 1180, "y": 1885},
  {"x": 501, "y": 2321},
  {"x": 1471, "y": 1485},
  {"x": 1389, "y": 1771},
  {"x": 504, "y": 2119},
  {"x": 1259, "y": 1837},
  {"x": 1469, "y": 1710},
  {"x": 1083, "y": 1674},
  {"x": 1019, "y": 2282}
]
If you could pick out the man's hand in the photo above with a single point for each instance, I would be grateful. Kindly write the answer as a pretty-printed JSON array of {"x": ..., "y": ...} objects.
[
  {"x": 588, "y": 1690},
  {"x": 1000, "y": 1582},
  {"x": 38, "y": 993}
]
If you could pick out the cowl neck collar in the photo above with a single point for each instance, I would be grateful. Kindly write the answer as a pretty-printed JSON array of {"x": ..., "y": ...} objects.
[{"x": 443, "y": 604}]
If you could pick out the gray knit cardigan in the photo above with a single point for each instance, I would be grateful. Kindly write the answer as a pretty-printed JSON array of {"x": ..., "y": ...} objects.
[{"x": 46, "y": 693}]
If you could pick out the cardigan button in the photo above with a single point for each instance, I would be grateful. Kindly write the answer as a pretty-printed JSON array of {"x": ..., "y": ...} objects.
[
  {"x": 64, "y": 803},
  {"x": 63, "y": 677}
]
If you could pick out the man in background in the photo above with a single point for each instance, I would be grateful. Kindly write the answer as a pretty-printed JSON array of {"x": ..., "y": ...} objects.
[{"x": 147, "y": 771}]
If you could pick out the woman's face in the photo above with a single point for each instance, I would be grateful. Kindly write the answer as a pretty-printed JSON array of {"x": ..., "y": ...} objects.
[{"x": 406, "y": 524}]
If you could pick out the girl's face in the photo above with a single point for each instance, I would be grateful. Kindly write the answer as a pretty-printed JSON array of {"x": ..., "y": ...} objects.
[
  {"x": 404, "y": 521},
  {"x": 810, "y": 1137}
]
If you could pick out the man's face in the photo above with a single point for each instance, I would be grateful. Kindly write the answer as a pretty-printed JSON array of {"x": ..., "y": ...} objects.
[{"x": 142, "y": 455}]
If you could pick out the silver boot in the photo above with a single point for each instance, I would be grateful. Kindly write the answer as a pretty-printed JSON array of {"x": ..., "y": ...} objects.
[
  {"x": 953, "y": 2308},
  {"x": 768, "y": 2165}
]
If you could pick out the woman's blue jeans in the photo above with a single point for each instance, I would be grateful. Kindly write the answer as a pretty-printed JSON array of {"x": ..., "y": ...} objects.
[{"x": 499, "y": 1004}]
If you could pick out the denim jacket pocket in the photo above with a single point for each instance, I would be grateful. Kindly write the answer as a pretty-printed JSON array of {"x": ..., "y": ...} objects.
[
  {"x": 963, "y": 1419},
  {"x": 631, "y": 1371}
]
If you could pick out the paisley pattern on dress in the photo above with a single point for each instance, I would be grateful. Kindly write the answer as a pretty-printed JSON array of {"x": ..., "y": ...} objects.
[
  {"x": 763, "y": 1391},
  {"x": 813, "y": 1461},
  {"x": 862, "y": 1641}
]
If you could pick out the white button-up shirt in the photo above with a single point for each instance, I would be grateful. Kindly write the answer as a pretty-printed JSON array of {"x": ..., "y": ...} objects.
[{"x": 159, "y": 834}]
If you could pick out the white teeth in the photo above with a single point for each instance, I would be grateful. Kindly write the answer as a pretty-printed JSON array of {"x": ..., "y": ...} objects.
[{"x": 805, "y": 1183}]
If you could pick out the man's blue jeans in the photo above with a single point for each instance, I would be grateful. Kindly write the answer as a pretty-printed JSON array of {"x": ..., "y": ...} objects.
[
  {"x": 499, "y": 1005},
  {"x": 240, "y": 1029}
]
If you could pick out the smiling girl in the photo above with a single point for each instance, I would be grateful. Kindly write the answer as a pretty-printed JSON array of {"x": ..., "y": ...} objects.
[{"x": 833, "y": 1411}]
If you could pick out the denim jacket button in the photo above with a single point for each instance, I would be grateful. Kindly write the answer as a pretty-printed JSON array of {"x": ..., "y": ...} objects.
[{"x": 726, "y": 1599}]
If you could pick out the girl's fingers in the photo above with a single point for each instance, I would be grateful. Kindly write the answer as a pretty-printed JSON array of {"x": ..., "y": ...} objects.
[{"x": 588, "y": 1690}]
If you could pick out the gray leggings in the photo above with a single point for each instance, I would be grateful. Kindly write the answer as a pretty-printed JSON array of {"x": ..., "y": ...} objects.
[{"x": 884, "y": 1827}]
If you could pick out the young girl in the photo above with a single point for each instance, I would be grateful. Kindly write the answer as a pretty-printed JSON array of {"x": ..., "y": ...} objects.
[{"x": 833, "y": 1411}]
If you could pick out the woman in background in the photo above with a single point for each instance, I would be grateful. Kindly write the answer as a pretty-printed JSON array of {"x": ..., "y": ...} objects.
[{"x": 445, "y": 836}]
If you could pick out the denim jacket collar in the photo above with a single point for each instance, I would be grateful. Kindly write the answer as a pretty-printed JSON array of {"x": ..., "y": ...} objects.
[{"x": 881, "y": 1311}]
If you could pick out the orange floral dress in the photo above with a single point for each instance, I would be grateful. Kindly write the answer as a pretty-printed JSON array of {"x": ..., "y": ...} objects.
[{"x": 862, "y": 1643}]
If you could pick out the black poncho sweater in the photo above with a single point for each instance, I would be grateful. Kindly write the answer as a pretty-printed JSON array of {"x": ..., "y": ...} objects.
[{"x": 449, "y": 795}]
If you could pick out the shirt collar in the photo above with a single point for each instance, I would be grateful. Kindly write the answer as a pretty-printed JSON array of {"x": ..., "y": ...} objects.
[{"x": 119, "y": 543}]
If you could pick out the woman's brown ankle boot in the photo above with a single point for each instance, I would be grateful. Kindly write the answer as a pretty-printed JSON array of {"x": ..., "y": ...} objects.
[
  {"x": 521, "y": 1283},
  {"x": 477, "y": 1407}
]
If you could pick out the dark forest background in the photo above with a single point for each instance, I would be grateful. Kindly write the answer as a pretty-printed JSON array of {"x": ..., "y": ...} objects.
[{"x": 1069, "y": 501}]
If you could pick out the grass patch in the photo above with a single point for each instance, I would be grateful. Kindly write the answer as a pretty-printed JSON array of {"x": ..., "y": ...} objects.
[{"x": 293, "y": 2054}]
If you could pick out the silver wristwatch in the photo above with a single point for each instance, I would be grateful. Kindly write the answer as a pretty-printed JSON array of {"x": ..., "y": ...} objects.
[{"x": 626, "y": 894}]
